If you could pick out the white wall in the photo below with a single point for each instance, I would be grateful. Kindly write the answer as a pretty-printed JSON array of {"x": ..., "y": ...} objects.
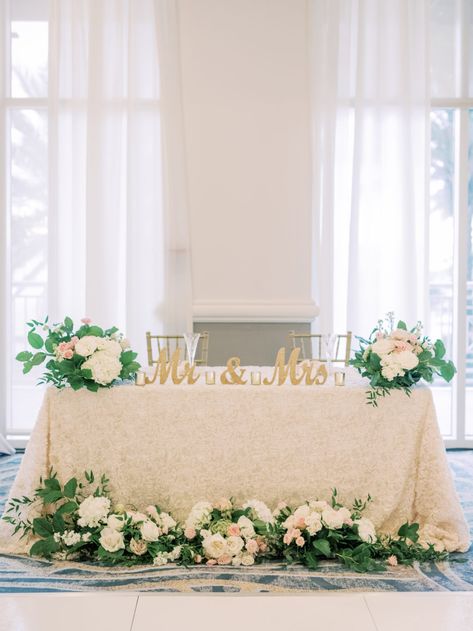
[{"x": 246, "y": 115}]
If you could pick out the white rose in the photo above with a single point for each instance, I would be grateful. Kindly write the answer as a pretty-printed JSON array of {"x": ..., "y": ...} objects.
[
  {"x": 70, "y": 537},
  {"x": 167, "y": 522},
  {"x": 314, "y": 523},
  {"x": 383, "y": 347},
  {"x": 366, "y": 530},
  {"x": 302, "y": 512},
  {"x": 116, "y": 522},
  {"x": 332, "y": 518},
  {"x": 401, "y": 334},
  {"x": 235, "y": 545},
  {"x": 214, "y": 546},
  {"x": 236, "y": 561},
  {"x": 87, "y": 345},
  {"x": 136, "y": 517},
  {"x": 407, "y": 360},
  {"x": 261, "y": 511},
  {"x": 150, "y": 531},
  {"x": 93, "y": 511},
  {"x": 138, "y": 547},
  {"x": 111, "y": 540},
  {"x": 247, "y": 559},
  {"x": 246, "y": 527},
  {"x": 289, "y": 522},
  {"x": 105, "y": 367}
]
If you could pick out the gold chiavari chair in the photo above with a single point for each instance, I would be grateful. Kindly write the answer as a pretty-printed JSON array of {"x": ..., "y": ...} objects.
[
  {"x": 311, "y": 346},
  {"x": 171, "y": 342}
]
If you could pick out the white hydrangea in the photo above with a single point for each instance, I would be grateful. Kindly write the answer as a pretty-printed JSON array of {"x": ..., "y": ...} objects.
[
  {"x": 87, "y": 345},
  {"x": 105, "y": 367},
  {"x": 407, "y": 360},
  {"x": 366, "y": 530},
  {"x": 70, "y": 537},
  {"x": 260, "y": 510},
  {"x": 93, "y": 511},
  {"x": 160, "y": 559},
  {"x": 110, "y": 346},
  {"x": 199, "y": 515}
]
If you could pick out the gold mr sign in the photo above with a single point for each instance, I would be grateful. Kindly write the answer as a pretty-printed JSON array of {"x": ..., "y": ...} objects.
[{"x": 309, "y": 373}]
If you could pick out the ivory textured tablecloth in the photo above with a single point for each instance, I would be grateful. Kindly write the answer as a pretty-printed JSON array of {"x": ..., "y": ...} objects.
[{"x": 175, "y": 445}]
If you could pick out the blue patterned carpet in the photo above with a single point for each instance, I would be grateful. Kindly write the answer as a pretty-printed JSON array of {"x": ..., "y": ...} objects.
[{"x": 23, "y": 574}]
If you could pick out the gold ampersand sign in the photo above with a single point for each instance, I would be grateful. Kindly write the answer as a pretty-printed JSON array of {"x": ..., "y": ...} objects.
[{"x": 230, "y": 376}]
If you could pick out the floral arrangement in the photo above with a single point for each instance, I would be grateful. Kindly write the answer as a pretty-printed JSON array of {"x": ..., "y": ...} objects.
[
  {"x": 78, "y": 520},
  {"x": 395, "y": 358},
  {"x": 89, "y": 357}
]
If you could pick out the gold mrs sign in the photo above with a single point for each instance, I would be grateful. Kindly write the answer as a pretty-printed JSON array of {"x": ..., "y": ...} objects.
[{"x": 235, "y": 375}]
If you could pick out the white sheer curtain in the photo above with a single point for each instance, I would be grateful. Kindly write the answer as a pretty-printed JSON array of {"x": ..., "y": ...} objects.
[
  {"x": 118, "y": 235},
  {"x": 370, "y": 116}
]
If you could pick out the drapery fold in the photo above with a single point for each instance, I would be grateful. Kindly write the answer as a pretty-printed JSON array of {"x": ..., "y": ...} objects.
[
  {"x": 119, "y": 244},
  {"x": 370, "y": 127}
]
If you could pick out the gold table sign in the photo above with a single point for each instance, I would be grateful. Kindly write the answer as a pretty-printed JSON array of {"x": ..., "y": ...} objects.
[{"x": 234, "y": 374}]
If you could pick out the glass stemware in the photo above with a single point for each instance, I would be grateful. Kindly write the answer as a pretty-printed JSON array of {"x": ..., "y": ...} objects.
[
  {"x": 329, "y": 347},
  {"x": 191, "y": 340}
]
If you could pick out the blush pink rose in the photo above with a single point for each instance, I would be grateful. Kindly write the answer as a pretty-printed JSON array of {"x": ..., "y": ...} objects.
[
  {"x": 197, "y": 558},
  {"x": 62, "y": 347},
  {"x": 211, "y": 562},
  {"x": 300, "y": 523},
  {"x": 225, "y": 559},
  {"x": 392, "y": 560},
  {"x": 74, "y": 340},
  {"x": 86, "y": 320},
  {"x": 252, "y": 546},
  {"x": 189, "y": 533},
  {"x": 262, "y": 545},
  {"x": 300, "y": 541},
  {"x": 68, "y": 354},
  {"x": 233, "y": 530},
  {"x": 287, "y": 538}
]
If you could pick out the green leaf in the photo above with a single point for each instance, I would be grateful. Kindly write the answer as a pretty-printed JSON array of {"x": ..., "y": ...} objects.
[
  {"x": 86, "y": 373},
  {"x": 35, "y": 340},
  {"x": 402, "y": 325},
  {"x": 68, "y": 324},
  {"x": 66, "y": 367},
  {"x": 49, "y": 345},
  {"x": 38, "y": 359},
  {"x": 42, "y": 527},
  {"x": 409, "y": 531},
  {"x": 52, "y": 484},
  {"x": 95, "y": 330},
  {"x": 58, "y": 523},
  {"x": 76, "y": 382},
  {"x": 67, "y": 508},
  {"x": 448, "y": 371},
  {"x": 92, "y": 387},
  {"x": 40, "y": 548},
  {"x": 49, "y": 497},
  {"x": 24, "y": 356},
  {"x": 70, "y": 488},
  {"x": 127, "y": 357},
  {"x": 323, "y": 546},
  {"x": 439, "y": 348},
  {"x": 27, "y": 366}
]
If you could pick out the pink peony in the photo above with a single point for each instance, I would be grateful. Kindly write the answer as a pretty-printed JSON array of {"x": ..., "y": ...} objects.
[
  {"x": 233, "y": 530},
  {"x": 86, "y": 320},
  {"x": 189, "y": 533},
  {"x": 68, "y": 354},
  {"x": 300, "y": 541},
  {"x": 392, "y": 560},
  {"x": 252, "y": 546},
  {"x": 212, "y": 562}
]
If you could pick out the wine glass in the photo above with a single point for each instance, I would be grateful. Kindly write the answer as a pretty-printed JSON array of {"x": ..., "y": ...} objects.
[
  {"x": 191, "y": 340},
  {"x": 329, "y": 347}
]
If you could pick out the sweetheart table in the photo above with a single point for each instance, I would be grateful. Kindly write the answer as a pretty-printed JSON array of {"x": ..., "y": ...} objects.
[{"x": 178, "y": 444}]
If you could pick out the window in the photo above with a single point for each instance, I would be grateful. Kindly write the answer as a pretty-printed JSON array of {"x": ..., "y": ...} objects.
[{"x": 451, "y": 211}]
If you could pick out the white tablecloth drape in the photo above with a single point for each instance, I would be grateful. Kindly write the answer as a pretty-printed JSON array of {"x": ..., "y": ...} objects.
[{"x": 175, "y": 445}]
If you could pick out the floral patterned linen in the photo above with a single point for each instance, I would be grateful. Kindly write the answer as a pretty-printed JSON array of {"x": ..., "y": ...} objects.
[{"x": 181, "y": 444}]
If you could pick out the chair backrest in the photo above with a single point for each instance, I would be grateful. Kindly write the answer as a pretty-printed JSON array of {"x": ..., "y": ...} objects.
[
  {"x": 171, "y": 342},
  {"x": 312, "y": 347}
]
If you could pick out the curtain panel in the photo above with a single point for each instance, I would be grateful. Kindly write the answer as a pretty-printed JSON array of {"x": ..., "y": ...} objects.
[{"x": 370, "y": 139}]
